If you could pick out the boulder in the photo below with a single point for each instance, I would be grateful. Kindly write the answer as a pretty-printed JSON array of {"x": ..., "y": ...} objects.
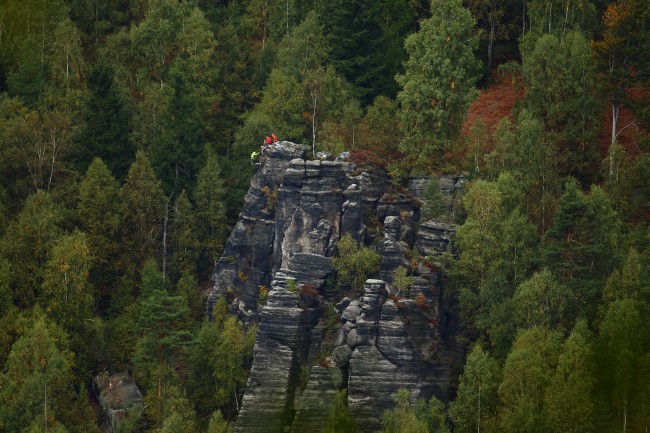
[{"x": 119, "y": 398}]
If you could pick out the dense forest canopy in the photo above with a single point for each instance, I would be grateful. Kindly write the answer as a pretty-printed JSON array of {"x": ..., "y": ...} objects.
[{"x": 125, "y": 133}]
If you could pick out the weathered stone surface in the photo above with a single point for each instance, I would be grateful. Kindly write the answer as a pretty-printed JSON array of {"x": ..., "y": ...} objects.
[
  {"x": 294, "y": 214},
  {"x": 267, "y": 405},
  {"x": 434, "y": 237},
  {"x": 372, "y": 386},
  {"x": 341, "y": 356},
  {"x": 268, "y": 402},
  {"x": 119, "y": 398},
  {"x": 314, "y": 403},
  {"x": 342, "y": 304},
  {"x": 351, "y": 313}
]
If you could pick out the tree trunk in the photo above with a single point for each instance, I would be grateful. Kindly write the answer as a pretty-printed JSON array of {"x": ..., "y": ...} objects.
[{"x": 616, "y": 106}]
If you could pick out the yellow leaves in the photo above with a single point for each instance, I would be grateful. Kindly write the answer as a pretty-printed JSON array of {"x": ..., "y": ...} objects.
[{"x": 42, "y": 362}]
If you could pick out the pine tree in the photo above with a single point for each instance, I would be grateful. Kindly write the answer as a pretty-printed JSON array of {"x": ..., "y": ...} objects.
[
  {"x": 98, "y": 214},
  {"x": 142, "y": 210},
  {"x": 164, "y": 327},
  {"x": 105, "y": 124},
  {"x": 210, "y": 210}
]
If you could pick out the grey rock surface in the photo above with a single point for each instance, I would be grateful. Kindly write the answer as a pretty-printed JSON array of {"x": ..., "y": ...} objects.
[
  {"x": 294, "y": 214},
  {"x": 118, "y": 397}
]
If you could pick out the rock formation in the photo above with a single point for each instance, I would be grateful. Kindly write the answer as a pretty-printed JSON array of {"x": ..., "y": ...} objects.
[
  {"x": 312, "y": 339},
  {"x": 119, "y": 398}
]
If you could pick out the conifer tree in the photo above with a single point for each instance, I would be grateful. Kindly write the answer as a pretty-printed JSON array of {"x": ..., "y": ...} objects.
[
  {"x": 210, "y": 210},
  {"x": 105, "y": 124},
  {"x": 164, "y": 328},
  {"x": 142, "y": 210},
  {"x": 98, "y": 213}
]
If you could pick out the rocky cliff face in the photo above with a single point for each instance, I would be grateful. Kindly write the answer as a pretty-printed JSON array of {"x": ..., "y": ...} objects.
[{"x": 312, "y": 340}]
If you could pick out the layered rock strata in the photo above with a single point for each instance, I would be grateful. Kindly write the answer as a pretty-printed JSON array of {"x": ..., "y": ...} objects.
[{"x": 371, "y": 343}]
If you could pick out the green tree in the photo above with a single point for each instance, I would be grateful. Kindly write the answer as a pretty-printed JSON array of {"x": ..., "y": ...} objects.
[
  {"x": 67, "y": 68},
  {"x": 420, "y": 418},
  {"x": 35, "y": 382},
  {"x": 560, "y": 79},
  {"x": 340, "y": 420},
  {"x": 568, "y": 401},
  {"x": 437, "y": 85},
  {"x": 210, "y": 210},
  {"x": 153, "y": 39},
  {"x": 621, "y": 343},
  {"x": 235, "y": 345},
  {"x": 178, "y": 415},
  {"x": 476, "y": 403},
  {"x": 99, "y": 215},
  {"x": 379, "y": 129},
  {"x": 26, "y": 244},
  {"x": 355, "y": 37},
  {"x": 354, "y": 264},
  {"x": 542, "y": 301},
  {"x": 184, "y": 238},
  {"x": 526, "y": 377},
  {"x": 218, "y": 424},
  {"x": 142, "y": 209},
  {"x": 163, "y": 326},
  {"x": 580, "y": 243},
  {"x": 402, "y": 419},
  {"x": 105, "y": 124},
  {"x": 68, "y": 295},
  {"x": 622, "y": 57}
]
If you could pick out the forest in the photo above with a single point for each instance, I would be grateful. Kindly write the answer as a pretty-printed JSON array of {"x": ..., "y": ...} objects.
[{"x": 125, "y": 133}]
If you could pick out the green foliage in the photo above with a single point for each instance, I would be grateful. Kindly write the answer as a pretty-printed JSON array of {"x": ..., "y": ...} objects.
[
  {"x": 142, "y": 210},
  {"x": 227, "y": 362},
  {"x": 402, "y": 281},
  {"x": 184, "y": 238},
  {"x": 164, "y": 329},
  {"x": 437, "y": 85},
  {"x": 581, "y": 242},
  {"x": 497, "y": 251},
  {"x": 354, "y": 264},
  {"x": 340, "y": 420},
  {"x": 568, "y": 404},
  {"x": 98, "y": 214},
  {"x": 35, "y": 382},
  {"x": 218, "y": 424},
  {"x": 210, "y": 210},
  {"x": 105, "y": 124},
  {"x": 292, "y": 285},
  {"x": 379, "y": 130},
  {"x": 26, "y": 245},
  {"x": 560, "y": 79},
  {"x": 542, "y": 301},
  {"x": 423, "y": 418},
  {"x": 526, "y": 377},
  {"x": 476, "y": 403},
  {"x": 433, "y": 205}
]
